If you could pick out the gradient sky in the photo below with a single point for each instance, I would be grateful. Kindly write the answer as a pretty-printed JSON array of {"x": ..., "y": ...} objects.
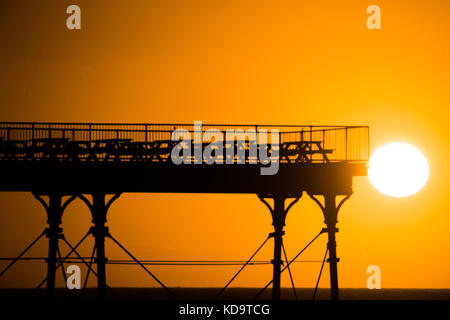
[{"x": 284, "y": 62}]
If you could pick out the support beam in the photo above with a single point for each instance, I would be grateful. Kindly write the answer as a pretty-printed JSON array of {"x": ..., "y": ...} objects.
[
  {"x": 54, "y": 210},
  {"x": 53, "y": 232},
  {"x": 99, "y": 209},
  {"x": 330, "y": 212},
  {"x": 279, "y": 217},
  {"x": 100, "y": 231},
  {"x": 331, "y": 220},
  {"x": 279, "y": 212}
]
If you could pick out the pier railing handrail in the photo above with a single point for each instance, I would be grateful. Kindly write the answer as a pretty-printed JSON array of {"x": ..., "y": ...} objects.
[
  {"x": 349, "y": 143},
  {"x": 178, "y": 124}
]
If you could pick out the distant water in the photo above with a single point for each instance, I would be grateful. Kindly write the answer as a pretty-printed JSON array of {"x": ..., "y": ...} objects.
[{"x": 232, "y": 294}]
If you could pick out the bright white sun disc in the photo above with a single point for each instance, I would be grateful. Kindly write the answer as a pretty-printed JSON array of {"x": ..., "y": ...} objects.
[{"x": 398, "y": 170}]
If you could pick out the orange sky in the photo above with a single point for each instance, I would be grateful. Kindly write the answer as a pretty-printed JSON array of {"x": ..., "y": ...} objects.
[{"x": 284, "y": 62}]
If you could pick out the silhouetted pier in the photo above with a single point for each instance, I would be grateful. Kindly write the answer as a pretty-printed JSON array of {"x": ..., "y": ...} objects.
[{"x": 63, "y": 161}]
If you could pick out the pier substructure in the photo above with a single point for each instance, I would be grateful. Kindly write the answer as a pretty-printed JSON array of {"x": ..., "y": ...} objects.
[
  {"x": 330, "y": 211},
  {"x": 99, "y": 209},
  {"x": 278, "y": 212},
  {"x": 54, "y": 209}
]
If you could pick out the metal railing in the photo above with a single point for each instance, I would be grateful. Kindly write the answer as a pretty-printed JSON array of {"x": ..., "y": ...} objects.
[{"x": 335, "y": 143}]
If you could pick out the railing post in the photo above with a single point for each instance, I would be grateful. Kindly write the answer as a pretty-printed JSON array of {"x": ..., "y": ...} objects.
[
  {"x": 368, "y": 144},
  {"x": 146, "y": 133},
  {"x": 90, "y": 132},
  {"x": 346, "y": 143},
  {"x": 323, "y": 141}
]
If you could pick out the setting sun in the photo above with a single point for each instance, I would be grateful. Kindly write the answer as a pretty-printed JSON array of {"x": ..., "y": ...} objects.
[{"x": 398, "y": 170}]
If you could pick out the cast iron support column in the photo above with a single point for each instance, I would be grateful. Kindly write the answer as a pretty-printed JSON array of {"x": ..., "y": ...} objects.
[
  {"x": 99, "y": 209},
  {"x": 54, "y": 210},
  {"x": 279, "y": 217},
  {"x": 330, "y": 212},
  {"x": 279, "y": 213},
  {"x": 53, "y": 233},
  {"x": 99, "y": 232}
]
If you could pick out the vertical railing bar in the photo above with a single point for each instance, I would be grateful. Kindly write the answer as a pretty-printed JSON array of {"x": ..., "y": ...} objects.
[
  {"x": 346, "y": 143},
  {"x": 323, "y": 141}
]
